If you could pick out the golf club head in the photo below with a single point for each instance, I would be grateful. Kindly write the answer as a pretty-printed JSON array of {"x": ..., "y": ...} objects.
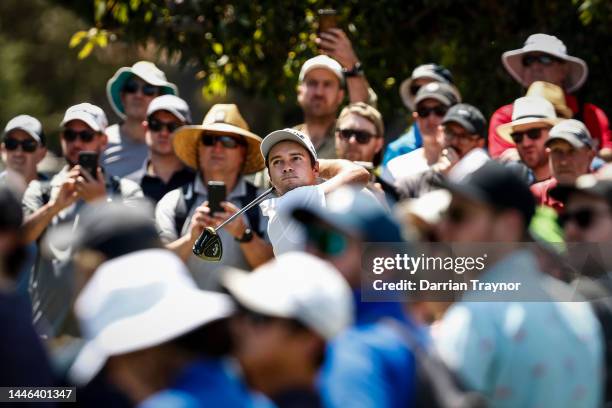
[{"x": 208, "y": 246}]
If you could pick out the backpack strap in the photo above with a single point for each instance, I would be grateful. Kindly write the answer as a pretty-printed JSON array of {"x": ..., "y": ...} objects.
[
  {"x": 254, "y": 214},
  {"x": 184, "y": 205}
]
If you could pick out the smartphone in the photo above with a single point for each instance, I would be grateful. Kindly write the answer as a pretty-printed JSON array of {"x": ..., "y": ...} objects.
[
  {"x": 216, "y": 194},
  {"x": 327, "y": 19},
  {"x": 89, "y": 161}
]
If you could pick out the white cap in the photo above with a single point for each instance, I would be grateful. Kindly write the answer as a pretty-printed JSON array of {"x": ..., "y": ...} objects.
[
  {"x": 325, "y": 62},
  {"x": 137, "y": 301},
  {"x": 299, "y": 286},
  {"x": 92, "y": 115},
  {"x": 172, "y": 104},
  {"x": 286, "y": 134},
  {"x": 28, "y": 124}
]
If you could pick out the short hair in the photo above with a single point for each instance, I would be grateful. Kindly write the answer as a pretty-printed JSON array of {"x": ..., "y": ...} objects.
[{"x": 366, "y": 111}]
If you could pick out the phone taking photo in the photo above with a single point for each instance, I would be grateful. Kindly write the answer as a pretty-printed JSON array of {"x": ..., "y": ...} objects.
[
  {"x": 89, "y": 162},
  {"x": 327, "y": 20},
  {"x": 216, "y": 194}
]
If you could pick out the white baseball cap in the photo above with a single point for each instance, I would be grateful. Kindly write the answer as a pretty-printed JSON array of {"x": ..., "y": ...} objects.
[
  {"x": 325, "y": 62},
  {"x": 286, "y": 134},
  {"x": 173, "y": 104},
  {"x": 299, "y": 286},
  {"x": 92, "y": 115},
  {"x": 137, "y": 301},
  {"x": 28, "y": 124}
]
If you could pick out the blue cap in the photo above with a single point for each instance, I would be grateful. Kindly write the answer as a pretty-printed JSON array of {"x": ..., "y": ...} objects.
[{"x": 354, "y": 211}]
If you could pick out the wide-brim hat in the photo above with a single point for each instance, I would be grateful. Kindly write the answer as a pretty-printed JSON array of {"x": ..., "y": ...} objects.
[
  {"x": 145, "y": 70},
  {"x": 551, "y": 45},
  {"x": 221, "y": 119},
  {"x": 528, "y": 112},
  {"x": 553, "y": 94}
]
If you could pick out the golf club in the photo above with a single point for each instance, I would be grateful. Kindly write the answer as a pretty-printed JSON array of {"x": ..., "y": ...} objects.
[{"x": 208, "y": 246}]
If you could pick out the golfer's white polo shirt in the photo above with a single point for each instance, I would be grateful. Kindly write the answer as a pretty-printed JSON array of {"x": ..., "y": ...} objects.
[{"x": 285, "y": 233}]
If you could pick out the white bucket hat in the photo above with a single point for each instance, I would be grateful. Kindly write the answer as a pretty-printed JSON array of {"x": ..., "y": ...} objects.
[
  {"x": 527, "y": 112},
  {"x": 145, "y": 70},
  {"x": 138, "y": 301},
  {"x": 299, "y": 286},
  {"x": 548, "y": 44}
]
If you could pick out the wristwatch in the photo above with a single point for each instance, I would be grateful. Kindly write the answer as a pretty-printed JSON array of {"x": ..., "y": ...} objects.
[
  {"x": 353, "y": 72},
  {"x": 247, "y": 236}
]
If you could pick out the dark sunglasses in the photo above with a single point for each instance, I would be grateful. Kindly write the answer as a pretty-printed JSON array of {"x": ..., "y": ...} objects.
[
  {"x": 228, "y": 142},
  {"x": 26, "y": 145},
  {"x": 86, "y": 136},
  {"x": 132, "y": 86},
  {"x": 533, "y": 134},
  {"x": 361, "y": 136},
  {"x": 438, "y": 111},
  {"x": 547, "y": 60},
  {"x": 583, "y": 218},
  {"x": 157, "y": 125}
]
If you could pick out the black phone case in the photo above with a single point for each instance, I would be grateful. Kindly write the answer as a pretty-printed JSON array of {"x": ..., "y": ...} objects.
[
  {"x": 89, "y": 162},
  {"x": 216, "y": 194}
]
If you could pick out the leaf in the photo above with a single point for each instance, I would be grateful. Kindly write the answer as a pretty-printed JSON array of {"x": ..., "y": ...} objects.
[
  {"x": 102, "y": 39},
  {"x": 86, "y": 50},
  {"x": 217, "y": 48},
  {"x": 77, "y": 38},
  {"x": 134, "y": 4}
]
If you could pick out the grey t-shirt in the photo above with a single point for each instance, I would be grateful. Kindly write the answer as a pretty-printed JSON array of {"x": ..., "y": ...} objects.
[
  {"x": 122, "y": 156},
  {"x": 206, "y": 274},
  {"x": 52, "y": 279}
]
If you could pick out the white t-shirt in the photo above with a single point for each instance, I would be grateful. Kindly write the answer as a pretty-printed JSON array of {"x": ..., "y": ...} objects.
[
  {"x": 405, "y": 165},
  {"x": 285, "y": 233}
]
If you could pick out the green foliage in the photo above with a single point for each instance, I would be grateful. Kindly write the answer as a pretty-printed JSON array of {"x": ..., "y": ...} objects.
[{"x": 260, "y": 46}]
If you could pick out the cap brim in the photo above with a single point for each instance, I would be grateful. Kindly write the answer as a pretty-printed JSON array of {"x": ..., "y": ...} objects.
[
  {"x": 115, "y": 84},
  {"x": 34, "y": 135},
  {"x": 440, "y": 98},
  {"x": 462, "y": 122},
  {"x": 184, "y": 311},
  {"x": 563, "y": 191},
  {"x": 578, "y": 72},
  {"x": 186, "y": 139},
  {"x": 506, "y": 129}
]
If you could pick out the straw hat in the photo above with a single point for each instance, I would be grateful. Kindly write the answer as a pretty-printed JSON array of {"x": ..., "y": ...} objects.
[
  {"x": 553, "y": 94},
  {"x": 527, "y": 112},
  {"x": 221, "y": 119},
  {"x": 145, "y": 70},
  {"x": 551, "y": 45}
]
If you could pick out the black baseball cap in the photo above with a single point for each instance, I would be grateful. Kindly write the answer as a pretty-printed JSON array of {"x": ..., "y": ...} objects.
[
  {"x": 587, "y": 184},
  {"x": 497, "y": 186},
  {"x": 468, "y": 117},
  {"x": 112, "y": 228}
]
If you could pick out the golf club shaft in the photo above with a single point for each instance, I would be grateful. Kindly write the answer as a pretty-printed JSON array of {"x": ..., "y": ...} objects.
[{"x": 245, "y": 209}]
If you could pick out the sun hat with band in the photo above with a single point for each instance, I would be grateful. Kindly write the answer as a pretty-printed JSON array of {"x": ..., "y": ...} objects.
[
  {"x": 221, "y": 119},
  {"x": 138, "y": 301},
  {"x": 551, "y": 45},
  {"x": 435, "y": 72},
  {"x": 145, "y": 70},
  {"x": 528, "y": 112}
]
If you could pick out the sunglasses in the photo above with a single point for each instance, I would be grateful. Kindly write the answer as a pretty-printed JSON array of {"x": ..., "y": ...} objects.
[
  {"x": 228, "y": 142},
  {"x": 26, "y": 145},
  {"x": 533, "y": 134},
  {"x": 132, "y": 86},
  {"x": 86, "y": 136},
  {"x": 583, "y": 218},
  {"x": 547, "y": 60},
  {"x": 157, "y": 125},
  {"x": 361, "y": 136},
  {"x": 438, "y": 111}
]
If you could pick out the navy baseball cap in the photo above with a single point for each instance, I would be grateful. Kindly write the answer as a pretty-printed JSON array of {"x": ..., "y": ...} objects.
[{"x": 468, "y": 117}]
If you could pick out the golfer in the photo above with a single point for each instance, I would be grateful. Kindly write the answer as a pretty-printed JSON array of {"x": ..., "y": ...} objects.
[{"x": 295, "y": 173}]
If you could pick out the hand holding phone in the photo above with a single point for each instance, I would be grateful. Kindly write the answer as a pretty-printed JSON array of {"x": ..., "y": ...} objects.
[{"x": 327, "y": 20}]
